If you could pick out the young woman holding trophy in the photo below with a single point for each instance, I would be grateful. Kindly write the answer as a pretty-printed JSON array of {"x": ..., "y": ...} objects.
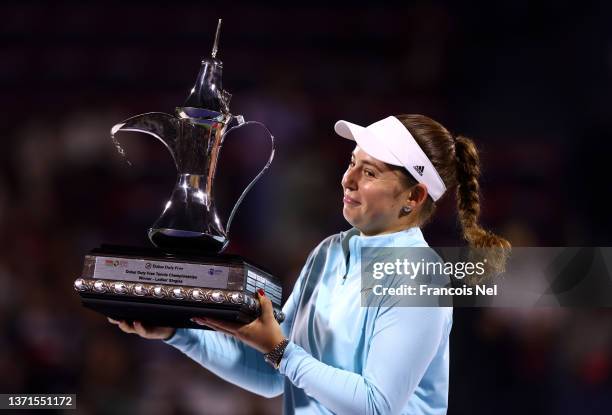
[{"x": 331, "y": 355}]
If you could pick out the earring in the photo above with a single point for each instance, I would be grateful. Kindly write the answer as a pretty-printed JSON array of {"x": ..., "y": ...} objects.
[{"x": 406, "y": 209}]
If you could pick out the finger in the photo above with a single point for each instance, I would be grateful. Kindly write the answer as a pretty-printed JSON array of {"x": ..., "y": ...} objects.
[
  {"x": 228, "y": 325},
  {"x": 267, "y": 311},
  {"x": 219, "y": 327},
  {"x": 199, "y": 320},
  {"x": 211, "y": 322},
  {"x": 202, "y": 322},
  {"x": 126, "y": 327},
  {"x": 140, "y": 330},
  {"x": 112, "y": 321}
]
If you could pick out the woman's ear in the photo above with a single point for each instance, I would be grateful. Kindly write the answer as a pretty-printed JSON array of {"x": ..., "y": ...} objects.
[{"x": 418, "y": 195}]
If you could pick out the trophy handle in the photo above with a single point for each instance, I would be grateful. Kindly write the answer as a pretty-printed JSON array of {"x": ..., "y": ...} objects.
[{"x": 242, "y": 123}]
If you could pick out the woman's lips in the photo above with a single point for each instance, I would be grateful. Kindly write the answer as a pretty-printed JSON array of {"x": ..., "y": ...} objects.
[{"x": 349, "y": 201}]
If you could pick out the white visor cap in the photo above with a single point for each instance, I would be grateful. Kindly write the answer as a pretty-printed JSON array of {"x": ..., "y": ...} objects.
[{"x": 389, "y": 141}]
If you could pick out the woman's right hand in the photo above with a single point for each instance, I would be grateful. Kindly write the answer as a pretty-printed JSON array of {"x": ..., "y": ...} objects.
[{"x": 146, "y": 332}]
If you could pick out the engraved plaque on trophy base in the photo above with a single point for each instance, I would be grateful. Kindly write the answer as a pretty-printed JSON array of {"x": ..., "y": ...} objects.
[{"x": 159, "y": 289}]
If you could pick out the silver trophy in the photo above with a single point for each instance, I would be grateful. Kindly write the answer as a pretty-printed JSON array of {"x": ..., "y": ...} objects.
[
  {"x": 194, "y": 137},
  {"x": 185, "y": 275}
]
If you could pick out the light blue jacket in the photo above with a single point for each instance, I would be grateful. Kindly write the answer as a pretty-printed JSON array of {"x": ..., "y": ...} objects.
[{"x": 342, "y": 358}]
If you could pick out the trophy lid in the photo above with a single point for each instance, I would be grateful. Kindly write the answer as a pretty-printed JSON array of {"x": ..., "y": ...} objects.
[{"x": 208, "y": 94}]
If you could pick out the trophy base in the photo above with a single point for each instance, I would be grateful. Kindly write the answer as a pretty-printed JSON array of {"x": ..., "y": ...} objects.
[{"x": 160, "y": 289}]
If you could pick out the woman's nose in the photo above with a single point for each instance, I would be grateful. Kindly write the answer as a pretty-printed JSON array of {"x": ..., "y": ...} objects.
[{"x": 348, "y": 179}]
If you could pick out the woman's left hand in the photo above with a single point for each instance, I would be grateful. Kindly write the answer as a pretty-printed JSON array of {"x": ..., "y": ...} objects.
[{"x": 263, "y": 333}]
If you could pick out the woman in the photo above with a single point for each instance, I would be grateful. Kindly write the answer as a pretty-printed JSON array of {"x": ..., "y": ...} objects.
[{"x": 331, "y": 355}]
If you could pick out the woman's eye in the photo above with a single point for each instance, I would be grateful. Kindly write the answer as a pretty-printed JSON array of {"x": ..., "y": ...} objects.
[{"x": 369, "y": 173}]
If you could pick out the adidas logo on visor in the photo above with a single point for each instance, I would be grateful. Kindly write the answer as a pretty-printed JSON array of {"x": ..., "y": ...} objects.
[{"x": 419, "y": 169}]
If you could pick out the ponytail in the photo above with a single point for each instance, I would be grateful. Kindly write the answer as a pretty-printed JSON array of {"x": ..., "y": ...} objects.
[{"x": 468, "y": 207}]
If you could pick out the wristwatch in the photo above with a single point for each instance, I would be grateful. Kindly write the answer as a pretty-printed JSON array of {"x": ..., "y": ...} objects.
[{"x": 274, "y": 356}]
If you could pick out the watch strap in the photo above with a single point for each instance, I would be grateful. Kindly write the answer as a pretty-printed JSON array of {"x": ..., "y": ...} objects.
[{"x": 274, "y": 356}]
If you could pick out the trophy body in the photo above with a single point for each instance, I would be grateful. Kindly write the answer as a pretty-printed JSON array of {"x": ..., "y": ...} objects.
[
  {"x": 189, "y": 221},
  {"x": 185, "y": 275}
]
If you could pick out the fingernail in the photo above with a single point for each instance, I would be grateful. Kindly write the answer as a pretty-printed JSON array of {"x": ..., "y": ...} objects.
[{"x": 261, "y": 292}]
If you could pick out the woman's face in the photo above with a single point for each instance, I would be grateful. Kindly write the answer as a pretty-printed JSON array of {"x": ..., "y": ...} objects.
[{"x": 373, "y": 195}]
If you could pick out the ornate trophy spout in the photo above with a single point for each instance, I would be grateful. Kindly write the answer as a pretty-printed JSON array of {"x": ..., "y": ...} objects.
[{"x": 194, "y": 137}]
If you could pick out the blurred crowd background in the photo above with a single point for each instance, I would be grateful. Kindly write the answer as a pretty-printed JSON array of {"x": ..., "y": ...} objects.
[{"x": 530, "y": 82}]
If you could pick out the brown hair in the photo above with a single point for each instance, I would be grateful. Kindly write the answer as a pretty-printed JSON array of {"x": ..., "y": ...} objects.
[{"x": 457, "y": 162}]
